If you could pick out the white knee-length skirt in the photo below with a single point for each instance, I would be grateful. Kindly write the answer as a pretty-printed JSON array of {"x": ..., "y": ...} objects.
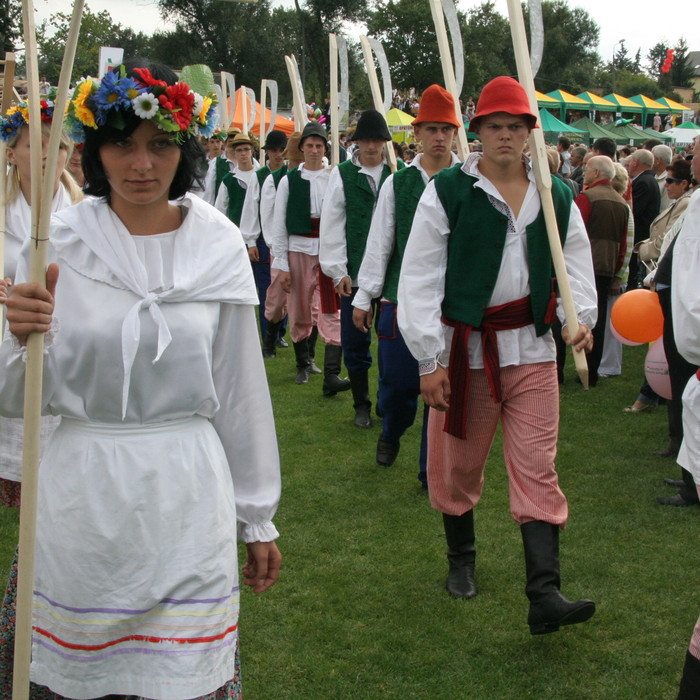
[{"x": 136, "y": 589}]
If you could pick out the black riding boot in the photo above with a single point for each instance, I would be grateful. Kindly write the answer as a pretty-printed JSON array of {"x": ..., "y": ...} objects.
[
  {"x": 549, "y": 609},
  {"x": 311, "y": 340},
  {"x": 359, "y": 383},
  {"x": 301, "y": 351},
  {"x": 690, "y": 681},
  {"x": 461, "y": 554},
  {"x": 332, "y": 383},
  {"x": 270, "y": 339}
]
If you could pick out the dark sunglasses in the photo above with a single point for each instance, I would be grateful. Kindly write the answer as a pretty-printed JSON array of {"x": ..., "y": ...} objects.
[{"x": 671, "y": 180}]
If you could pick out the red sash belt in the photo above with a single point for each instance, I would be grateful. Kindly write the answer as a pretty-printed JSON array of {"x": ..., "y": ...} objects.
[
  {"x": 330, "y": 301},
  {"x": 514, "y": 314},
  {"x": 697, "y": 374},
  {"x": 315, "y": 222}
]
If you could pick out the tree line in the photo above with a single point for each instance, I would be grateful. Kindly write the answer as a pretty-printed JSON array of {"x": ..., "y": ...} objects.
[{"x": 250, "y": 40}]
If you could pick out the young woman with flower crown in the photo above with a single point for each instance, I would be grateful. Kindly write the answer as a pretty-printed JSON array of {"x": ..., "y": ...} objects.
[
  {"x": 163, "y": 453},
  {"x": 14, "y": 131}
]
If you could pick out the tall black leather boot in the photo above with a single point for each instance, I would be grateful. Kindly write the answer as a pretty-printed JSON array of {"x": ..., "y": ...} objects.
[
  {"x": 311, "y": 340},
  {"x": 461, "y": 554},
  {"x": 690, "y": 681},
  {"x": 301, "y": 351},
  {"x": 549, "y": 609},
  {"x": 332, "y": 383},
  {"x": 270, "y": 339},
  {"x": 359, "y": 383}
]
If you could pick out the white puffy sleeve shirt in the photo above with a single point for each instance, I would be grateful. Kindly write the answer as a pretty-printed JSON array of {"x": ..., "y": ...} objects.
[
  {"x": 685, "y": 290},
  {"x": 422, "y": 280},
  {"x": 282, "y": 242},
  {"x": 199, "y": 323}
]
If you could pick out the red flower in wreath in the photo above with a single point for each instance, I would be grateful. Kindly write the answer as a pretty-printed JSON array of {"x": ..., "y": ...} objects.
[
  {"x": 178, "y": 100},
  {"x": 46, "y": 113},
  {"x": 146, "y": 79}
]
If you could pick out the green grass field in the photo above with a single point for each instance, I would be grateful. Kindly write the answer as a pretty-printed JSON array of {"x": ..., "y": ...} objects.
[{"x": 360, "y": 610}]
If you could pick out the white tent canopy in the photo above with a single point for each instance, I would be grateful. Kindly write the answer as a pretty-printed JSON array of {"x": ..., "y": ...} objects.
[{"x": 682, "y": 136}]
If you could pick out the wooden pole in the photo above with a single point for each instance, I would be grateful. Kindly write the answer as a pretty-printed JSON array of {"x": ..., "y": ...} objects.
[
  {"x": 377, "y": 97},
  {"x": 448, "y": 73},
  {"x": 334, "y": 112},
  {"x": 262, "y": 128},
  {"x": 538, "y": 155},
  {"x": 42, "y": 197},
  {"x": 8, "y": 79}
]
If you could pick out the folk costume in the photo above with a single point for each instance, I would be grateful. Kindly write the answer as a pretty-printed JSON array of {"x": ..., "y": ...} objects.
[
  {"x": 252, "y": 232},
  {"x": 157, "y": 459},
  {"x": 476, "y": 295},
  {"x": 686, "y": 314},
  {"x": 234, "y": 186},
  {"x": 399, "y": 384},
  {"x": 295, "y": 241},
  {"x": 347, "y": 215},
  {"x": 163, "y": 455}
]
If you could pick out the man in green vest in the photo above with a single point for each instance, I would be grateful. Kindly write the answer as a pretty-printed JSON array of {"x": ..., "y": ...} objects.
[
  {"x": 295, "y": 241},
  {"x": 435, "y": 128},
  {"x": 347, "y": 214},
  {"x": 477, "y": 296},
  {"x": 258, "y": 251},
  {"x": 219, "y": 166},
  {"x": 235, "y": 184}
]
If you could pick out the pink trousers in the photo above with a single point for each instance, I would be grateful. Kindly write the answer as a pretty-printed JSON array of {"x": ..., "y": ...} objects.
[
  {"x": 275, "y": 298},
  {"x": 303, "y": 304},
  {"x": 529, "y": 416}
]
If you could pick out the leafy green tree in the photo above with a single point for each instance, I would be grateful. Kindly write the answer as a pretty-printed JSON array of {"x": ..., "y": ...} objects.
[
  {"x": 655, "y": 59},
  {"x": 570, "y": 38},
  {"x": 96, "y": 30},
  {"x": 682, "y": 72},
  {"x": 10, "y": 25}
]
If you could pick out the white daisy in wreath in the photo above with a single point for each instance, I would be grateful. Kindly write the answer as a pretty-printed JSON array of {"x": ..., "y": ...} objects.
[{"x": 146, "y": 105}]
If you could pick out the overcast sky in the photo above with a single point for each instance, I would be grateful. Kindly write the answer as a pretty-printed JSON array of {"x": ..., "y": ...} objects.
[{"x": 616, "y": 19}]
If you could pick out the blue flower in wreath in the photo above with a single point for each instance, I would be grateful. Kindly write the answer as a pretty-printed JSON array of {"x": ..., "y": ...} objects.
[{"x": 114, "y": 93}]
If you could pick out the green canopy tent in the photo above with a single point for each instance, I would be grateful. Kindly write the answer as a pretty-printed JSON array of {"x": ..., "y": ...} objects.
[
  {"x": 624, "y": 105},
  {"x": 673, "y": 106},
  {"x": 596, "y": 131},
  {"x": 597, "y": 103},
  {"x": 687, "y": 125},
  {"x": 553, "y": 128},
  {"x": 628, "y": 134},
  {"x": 653, "y": 134},
  {"x": 569, "y": 101},
  {"x": 649, "y": 107}
]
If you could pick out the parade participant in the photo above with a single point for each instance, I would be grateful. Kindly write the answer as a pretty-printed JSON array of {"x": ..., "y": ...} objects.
[
  {"x": 219, "y": 167},
  {"x": 294, "y": 247},
  {"x": 399, "y": 386},
  {"x": 476, "y": 300},
  {"x": 163, "y": 453},
  {"x": 258, "y": 250},
  {"x": 275, "y": 310},
  {"x": 232, "y": 193},
  {"x": 14, "y": 130},
  {"x": 347, "y": 214},
  {"x": 686, "y": 331}
]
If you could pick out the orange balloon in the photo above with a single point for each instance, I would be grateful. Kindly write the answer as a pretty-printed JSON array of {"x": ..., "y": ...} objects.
[{"x": 637, "y": 316}]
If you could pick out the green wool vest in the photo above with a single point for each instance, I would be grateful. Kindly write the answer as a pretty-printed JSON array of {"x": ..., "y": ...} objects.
[
  {"x": 222, "y": 169},
  {"x": 359, "y": 206},
  {"x": 475, "y": 248},
  {"x": 236, "y": 197},
  {"x": 408, "y": 188},
  {"x": 298, "y": 218},
  {"x": 261, "y": 174},
  {"x": 278, "y": 174}
]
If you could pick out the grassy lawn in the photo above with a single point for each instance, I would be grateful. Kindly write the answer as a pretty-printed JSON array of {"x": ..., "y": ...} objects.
[{"x": 360, "y": 610}]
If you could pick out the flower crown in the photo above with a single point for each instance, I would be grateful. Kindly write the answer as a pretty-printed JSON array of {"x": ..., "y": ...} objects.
[
  {"x": 173, "y": 108},
  {"x": 18, "y": 115}
]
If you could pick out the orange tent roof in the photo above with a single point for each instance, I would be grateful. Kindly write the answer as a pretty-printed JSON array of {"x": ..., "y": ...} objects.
[{"x": 286, "y": 125}]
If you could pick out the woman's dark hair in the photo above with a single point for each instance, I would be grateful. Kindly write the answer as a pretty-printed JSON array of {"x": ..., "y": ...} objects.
[
  {"x": 680, "y": 169},
  {"x": 193, "y": 164}
]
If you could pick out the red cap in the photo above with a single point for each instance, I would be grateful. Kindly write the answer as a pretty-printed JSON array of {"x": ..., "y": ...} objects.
[
  {"x": 437, "y": 105},
  {"x": 503, "y": 94}
]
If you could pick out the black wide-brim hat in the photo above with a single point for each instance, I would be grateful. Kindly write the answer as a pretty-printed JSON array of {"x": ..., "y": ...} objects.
[
  {"x": 313, "y": 129},
  {"x": 276, "y": 139},
  {"x": 371, "y": 125}
]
